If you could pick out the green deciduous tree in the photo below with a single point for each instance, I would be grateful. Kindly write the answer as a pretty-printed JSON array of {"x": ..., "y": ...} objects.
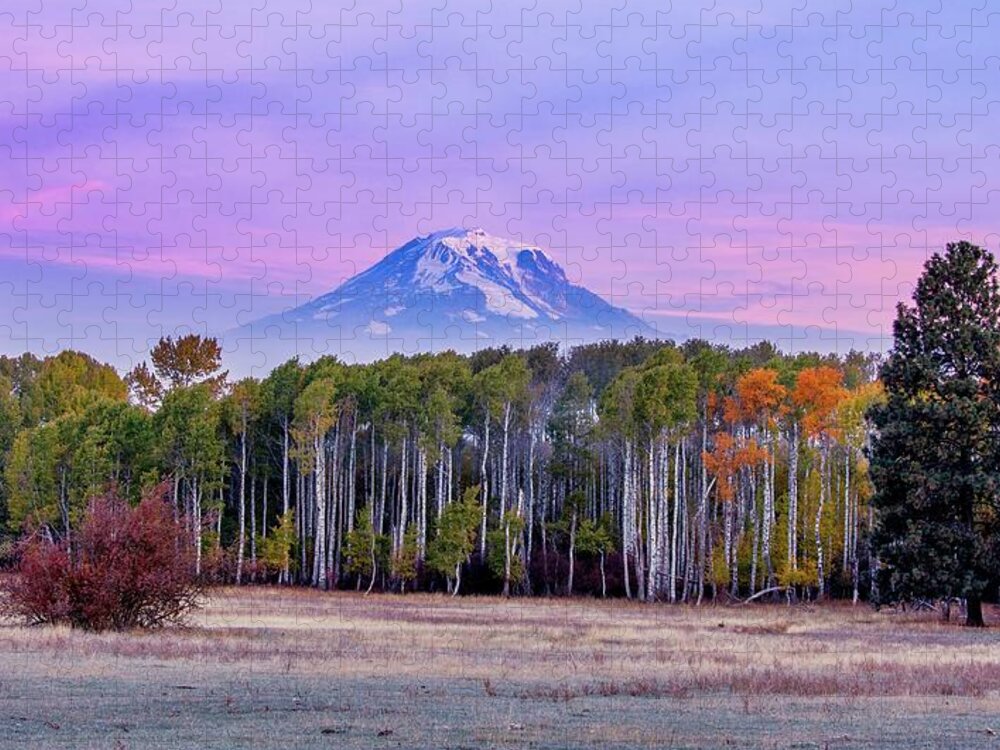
[
  {"x": 69, "y": 382},
  {"x": 242, "y": 410},
  {"x": 597, "y": 538},
  {"x": 279, "y": 390},
  {"x": 190, "y": 450},
  {"x": 404, "y": 559},
  {"x": 666, "y": 403},
  {"x": 276, "y": 547},
  {"x": 359, "y": 549},
  {"x": 188, "y": 360},
  {"x": 315, "y": 414},
  {"x": 456, "y": 539},
  {"x": 52, "y": 470}
]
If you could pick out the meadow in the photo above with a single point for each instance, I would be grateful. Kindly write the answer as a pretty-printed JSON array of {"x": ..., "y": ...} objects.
[{"x": 271, "y": 667}]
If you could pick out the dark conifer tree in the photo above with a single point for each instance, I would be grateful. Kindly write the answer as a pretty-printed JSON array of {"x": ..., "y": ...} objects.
[{"x": 934, "y": 455}]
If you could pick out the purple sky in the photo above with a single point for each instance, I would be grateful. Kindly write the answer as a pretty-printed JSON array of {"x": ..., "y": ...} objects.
[{"x": 732, "y": 175}]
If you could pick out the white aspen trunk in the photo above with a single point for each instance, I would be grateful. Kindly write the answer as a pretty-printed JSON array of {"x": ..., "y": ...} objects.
[
  {"x": 263, "y": 510},
  {"x": 503, "y": 459},
  {"x": 319, "y": 577},
  {"x": 846, "y": 557},
  {"x": 403, "y": 499},
  {"x": 755, "y": 530},
  {"x": 509, "y": 543},
  {"x": 253, "y": 522},
  {"x": 728, "y": 544},
  {"x": 380, "y": 525},
  {"x": 652, "y": 526},
  {"x": 768, "y": 511},
  {"x": 688, "y": 535},
  {"x": 331, "y": 501},
  {"x": 371, "y": 513},
  {"x": 300, "y": 534},
  {"x": 704, "y": 560},
  {"x": 196, "y": 502},
  {"x": 793, "y": 498},
  {"x": 572, "y": 552},
  {"x": 371, "y": 493},
  {"x": 773, "y": 489},
  {"x": 771, "y": 518},
  {"x": 672, "y": 593},
  {"x": 545, "y": 542},
  {"x": 308, "y": 490},
  {"x": 422, "y": 506},
  {"x": 854, "y": 549},
  {"x": 241, "y": 540},
  {"x": 448, "y": 481},
  {"x": 517, "y": 545},
  {"x": 301, "y": 513},
  {"x": 738, "y": 523},
  {"x": 371, "y": 472},
  {"x": 637, "y": 549},
  {"x": 335, "y": 509},
  {"x": 328, "y": 506},
  {"x": 177, "y": 499},
  {"x": 656, "y": 565},
  {"x": 347, "y": 521},
  {"x": 507, "y": 555},
  {"x": 484, "y": 486},
  {"x": 820, "y": 578},
  {"x": 218, "y": 516},
  {"x": 351, "y": 476},
  {"x": 530, "y": 511},
  {"x": 662, "y": 517},
  {"x": 285, "y": 489},
  {"x": 626, "y": 517},
  {"x": 440, "y": 488},
  {"x": 604, "y": 579}
]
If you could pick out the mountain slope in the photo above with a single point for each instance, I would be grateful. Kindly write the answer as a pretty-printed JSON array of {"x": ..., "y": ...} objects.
[{"x": 454, "y": 289}]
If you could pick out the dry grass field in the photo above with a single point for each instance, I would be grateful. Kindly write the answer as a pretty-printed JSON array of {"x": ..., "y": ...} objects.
[{"x": 262, "y": 668}]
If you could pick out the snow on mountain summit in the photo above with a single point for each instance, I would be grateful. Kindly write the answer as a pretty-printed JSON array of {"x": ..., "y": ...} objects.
[
  {"x": 448, "y": 260},
  {"x": 457, "y": 289}
]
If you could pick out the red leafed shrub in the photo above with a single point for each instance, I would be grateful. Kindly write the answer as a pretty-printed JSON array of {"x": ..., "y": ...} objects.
[{"x": 124, "y": 568}]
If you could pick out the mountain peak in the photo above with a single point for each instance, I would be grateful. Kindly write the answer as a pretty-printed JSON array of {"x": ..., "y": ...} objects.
[
  {"x": 476, "y": 241},
  {"x": 456, "y": 288}
]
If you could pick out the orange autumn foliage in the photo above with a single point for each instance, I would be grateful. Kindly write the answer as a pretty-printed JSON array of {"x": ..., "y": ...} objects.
[
  {"x": 760, "y": 395},
  {"x": 818, "y": 392}
]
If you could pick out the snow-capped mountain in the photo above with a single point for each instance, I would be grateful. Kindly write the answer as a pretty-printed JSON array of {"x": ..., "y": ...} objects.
[{"x": 454, "y": 289}]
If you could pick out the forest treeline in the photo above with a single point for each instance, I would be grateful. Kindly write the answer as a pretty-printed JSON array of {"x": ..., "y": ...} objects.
[{"x": 642, "y": 469}]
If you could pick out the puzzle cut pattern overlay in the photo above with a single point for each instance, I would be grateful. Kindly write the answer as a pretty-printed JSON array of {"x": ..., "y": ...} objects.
[{"x": 735, "y": 172}]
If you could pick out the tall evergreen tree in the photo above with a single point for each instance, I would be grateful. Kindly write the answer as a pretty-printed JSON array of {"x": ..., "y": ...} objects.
[{"x": 934, "y": 455}]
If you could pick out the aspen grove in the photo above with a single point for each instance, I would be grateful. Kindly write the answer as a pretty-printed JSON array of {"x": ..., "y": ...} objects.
[{"x": 640, "y": 469}]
